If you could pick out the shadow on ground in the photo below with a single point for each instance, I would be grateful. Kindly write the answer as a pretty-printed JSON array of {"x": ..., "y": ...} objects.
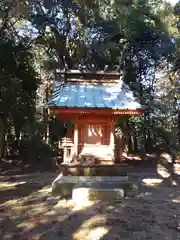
[{"x": 28, "y": 211}]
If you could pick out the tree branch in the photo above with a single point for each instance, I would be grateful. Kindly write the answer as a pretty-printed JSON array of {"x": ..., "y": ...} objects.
[{"x": 6, "y": 19}]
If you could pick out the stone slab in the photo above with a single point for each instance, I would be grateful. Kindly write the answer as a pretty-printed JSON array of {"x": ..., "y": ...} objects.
[
  {"x": 82, "y": 195},
  {"x": 102, "y": 185},
  {"x": 76, "y": 179}
]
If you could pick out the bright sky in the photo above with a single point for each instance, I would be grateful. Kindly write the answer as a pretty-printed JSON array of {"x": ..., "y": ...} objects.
[{"x": 173, "y": 2}]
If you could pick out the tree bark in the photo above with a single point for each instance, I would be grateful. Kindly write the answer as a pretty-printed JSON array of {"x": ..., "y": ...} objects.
[
  {"x": 135, "y": 142},
  {"x": 17, "y": 139},
  {"x": 2, "y": 136},
  {"x": 129, "y": 134},
  {"x": 145, "y": 133}
]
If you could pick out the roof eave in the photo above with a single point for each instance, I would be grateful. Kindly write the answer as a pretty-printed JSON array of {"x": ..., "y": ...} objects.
[{"x": 99, "y": 111}]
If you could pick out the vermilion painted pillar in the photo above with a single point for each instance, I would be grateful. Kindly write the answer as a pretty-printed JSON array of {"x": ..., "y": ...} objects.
[
  {"x": 76, "y": 138},
  {"x": 112, "y": 138}
]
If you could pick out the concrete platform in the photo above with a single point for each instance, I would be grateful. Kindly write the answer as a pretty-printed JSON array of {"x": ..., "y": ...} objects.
[
  {"x": 77, "y": 179},
  {"x": 93, "y": 188}
]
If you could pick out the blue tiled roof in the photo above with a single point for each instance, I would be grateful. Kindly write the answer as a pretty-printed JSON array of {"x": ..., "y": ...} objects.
[{"x": 86, "y": 95}]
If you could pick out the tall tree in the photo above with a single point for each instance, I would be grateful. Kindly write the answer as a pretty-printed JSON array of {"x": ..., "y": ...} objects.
[
  {"x": 18, "y": 77},
  {"x": 130, "y": 36}
]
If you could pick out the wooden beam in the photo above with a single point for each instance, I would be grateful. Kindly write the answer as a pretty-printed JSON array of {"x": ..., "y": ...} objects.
[
  {"x": 69, "y": 113},
  {"x": 90, "y": 74}
]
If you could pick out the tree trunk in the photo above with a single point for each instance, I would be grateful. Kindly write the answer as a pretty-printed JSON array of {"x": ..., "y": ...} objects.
[
  {"x": 135, "y": 142},
  {"x": 129, "y": 135},
  {"x": 134, "y": 137},
  {"x": 149, "y": 138},
  {"x": 179, "y": 128},
  {"x": 16, "y": 146},
  {"x": 130, "y": 144},
  {"x": 145, "y": 133},
  {"x": 2, "y": 136}
]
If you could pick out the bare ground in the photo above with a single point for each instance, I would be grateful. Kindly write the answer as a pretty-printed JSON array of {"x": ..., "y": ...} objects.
[{"x": 27, "y": 211}]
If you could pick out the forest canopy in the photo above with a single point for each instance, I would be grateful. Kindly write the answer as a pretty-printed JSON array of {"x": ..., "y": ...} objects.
[{"x": 139, "y": 38}]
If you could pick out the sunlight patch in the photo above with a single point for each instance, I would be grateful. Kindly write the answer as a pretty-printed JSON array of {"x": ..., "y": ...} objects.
[
  {"x": 163, "y": 171},
  {"x": 87, "y": 231},
  {"x": 10, "y": 203},
  {"x": 97, "y": 233},
  {"x": 45, "y": 190},
  {"x": 176, "y": 200},
  {"x": 26, "y": 225},
  {"x": 10, "y": 185},
  {"x": 152, "y": 181},
  {"x": 83, "y": 205}
]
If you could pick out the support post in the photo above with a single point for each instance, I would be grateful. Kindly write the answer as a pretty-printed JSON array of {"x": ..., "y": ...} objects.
[
  {"x": 76, "y": 138},
  {"x": 112, "y": 139}
]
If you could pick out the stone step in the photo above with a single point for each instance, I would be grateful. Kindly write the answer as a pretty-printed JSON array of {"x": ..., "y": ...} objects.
[
  {"x": 130, "y": 188},
  {"x": 77, "y": 179},
  {"x": 103, "y": 184},
  {"x": 82, "y": 195}
]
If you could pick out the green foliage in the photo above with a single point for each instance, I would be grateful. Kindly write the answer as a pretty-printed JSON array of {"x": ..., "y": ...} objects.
[
  {"x": 101, "y": 33},
  {"x": 136, "y": 37},
  {"x": 18, "y": 80},
  {"x": 130, "y": 186}
]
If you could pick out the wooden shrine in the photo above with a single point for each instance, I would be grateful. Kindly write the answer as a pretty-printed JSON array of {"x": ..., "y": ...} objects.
[{"x": 92, "y": 101}]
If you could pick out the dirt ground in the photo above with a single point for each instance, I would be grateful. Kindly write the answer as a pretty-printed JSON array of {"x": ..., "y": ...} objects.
[{"x": 28, "y": 211}]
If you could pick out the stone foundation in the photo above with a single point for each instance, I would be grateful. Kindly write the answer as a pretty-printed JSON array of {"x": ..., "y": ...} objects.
[
  {"x": 92, "y": 170},
  {"x": 93, "y": 188}
]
